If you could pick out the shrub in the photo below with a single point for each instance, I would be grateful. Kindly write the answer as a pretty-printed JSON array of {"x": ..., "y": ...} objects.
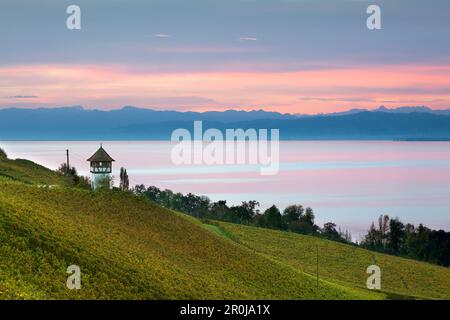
[{"x": 3, "y": 154}]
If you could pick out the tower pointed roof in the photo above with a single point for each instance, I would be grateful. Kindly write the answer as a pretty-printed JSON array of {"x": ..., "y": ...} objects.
[{"x": 100, "y": 156}]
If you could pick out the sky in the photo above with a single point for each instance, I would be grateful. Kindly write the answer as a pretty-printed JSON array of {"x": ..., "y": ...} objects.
[{"x": 293, "y": 56}]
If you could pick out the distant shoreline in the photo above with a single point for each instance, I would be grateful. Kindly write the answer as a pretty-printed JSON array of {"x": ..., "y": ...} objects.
[{"x": 281, "y": 140}]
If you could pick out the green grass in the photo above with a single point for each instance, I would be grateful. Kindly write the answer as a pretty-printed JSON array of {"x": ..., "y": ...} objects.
[
  {"x": 131, "y": 248},
  {"x": 345, "y": 264},
  {"x": 29, "y": 172}
]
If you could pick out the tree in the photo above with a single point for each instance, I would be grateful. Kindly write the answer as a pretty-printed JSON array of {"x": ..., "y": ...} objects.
[
  {"x": 293, "y": 213},
  {"x": 383, "y": 227},
  {"x": 396, "y": 235},
  {"x": 272, "y": 218},
  {"x": 309, "y": 216},
  {"x": 139, "y": 189},
  {"x": 347, "y": 236},
  {"x": 67, "y": 171},
  {"x": 329, "y": 231},
  {"x": 124, "y": 181},
  {"x": 153, "y": 193},
  {"x": 372, "y": 238},
  {"x": 3, "y": 154},
  {"x": 299, "y": 220},
  {"x": 246, "y": 211},
  {"x": 220, "y": 211},
  {"x": 72, "y": 176}
]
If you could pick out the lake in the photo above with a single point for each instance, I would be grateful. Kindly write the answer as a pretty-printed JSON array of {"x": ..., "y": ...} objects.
[{"x": 348, "y": 182}]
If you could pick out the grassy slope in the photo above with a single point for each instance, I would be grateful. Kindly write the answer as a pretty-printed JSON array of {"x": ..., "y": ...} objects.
[
  {"x": 131, "y": 248},
  {"x": 126, "y": 248},
  {"x": 28, "y": 172},
  {"x": 345, "y": 264}
]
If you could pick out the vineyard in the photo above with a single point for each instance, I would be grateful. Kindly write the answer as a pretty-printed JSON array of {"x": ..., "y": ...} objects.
[{"x": 127, "y": 247}]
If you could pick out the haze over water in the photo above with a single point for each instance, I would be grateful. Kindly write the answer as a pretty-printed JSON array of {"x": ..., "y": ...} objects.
[{"x": 347, "y": 182}]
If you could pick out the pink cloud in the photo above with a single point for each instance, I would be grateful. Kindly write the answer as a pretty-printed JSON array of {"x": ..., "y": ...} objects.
[{"x": 308, "y": 91}]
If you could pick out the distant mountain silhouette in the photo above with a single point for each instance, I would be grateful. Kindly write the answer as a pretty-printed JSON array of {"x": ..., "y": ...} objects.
[
  {"x": 384, "y": 109},
  {"x": 76, "y": 123}
]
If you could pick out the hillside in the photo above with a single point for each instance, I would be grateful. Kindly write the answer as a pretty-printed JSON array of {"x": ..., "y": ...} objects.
[
  {"x": 28, "y": 172},
  {"x": 345, "y": 264},
  {"x": 130, "y": 248}
]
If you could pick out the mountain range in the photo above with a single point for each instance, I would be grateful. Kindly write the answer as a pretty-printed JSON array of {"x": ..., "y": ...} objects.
[{"x": 132, "y": 123}]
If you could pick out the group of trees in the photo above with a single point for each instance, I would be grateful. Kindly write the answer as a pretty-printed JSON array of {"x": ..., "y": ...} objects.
[
  {"x": 294, "y": 218},
  {"x": 420, "y": 243},
  {"x": 389, "y": 236},
  {"x": 73, "y": 178}
]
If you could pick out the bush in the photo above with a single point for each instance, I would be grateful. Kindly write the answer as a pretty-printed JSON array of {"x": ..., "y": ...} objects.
[
  {"x": 3, "y": 154},
  {"x": 73, "y": 179}
]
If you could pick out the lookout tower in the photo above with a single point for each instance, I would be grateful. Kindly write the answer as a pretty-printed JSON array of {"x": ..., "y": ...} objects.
[{"x": 101, "y": 168}]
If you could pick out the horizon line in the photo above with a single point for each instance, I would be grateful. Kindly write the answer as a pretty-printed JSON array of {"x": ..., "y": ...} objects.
[{"x": 379, "y": 108}]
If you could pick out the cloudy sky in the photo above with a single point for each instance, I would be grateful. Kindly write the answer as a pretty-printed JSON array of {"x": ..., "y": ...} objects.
[{"x": 298, "y": 56}]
